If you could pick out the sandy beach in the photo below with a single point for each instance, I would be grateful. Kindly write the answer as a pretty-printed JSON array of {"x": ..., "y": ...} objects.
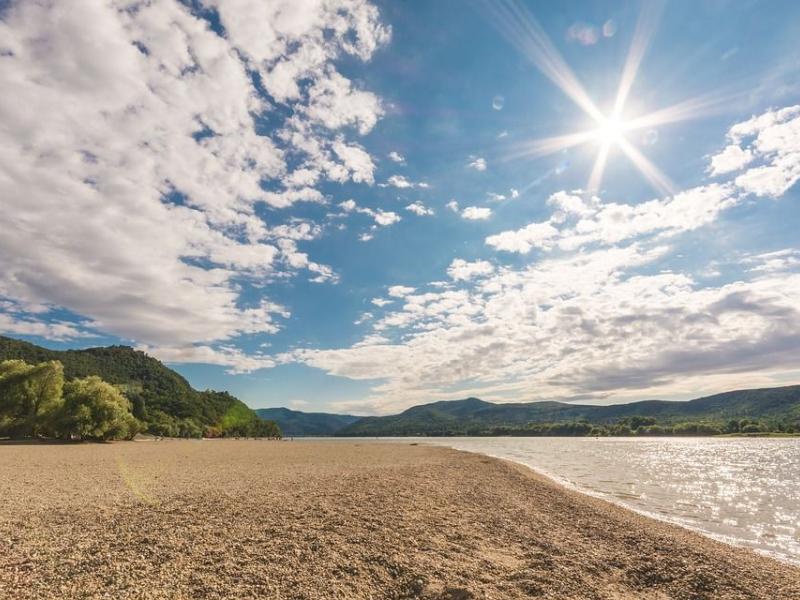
[{"x": 259, "y": 519}]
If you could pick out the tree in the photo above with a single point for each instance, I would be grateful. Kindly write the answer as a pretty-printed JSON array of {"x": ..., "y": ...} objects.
[
  {"x": 187, "y": 428},
  {"x": 96, "y": 410},
  {"x": 29, "y": 396},
  {"x": 267, "y": 429},
  {"x": 12, "y": 391}
]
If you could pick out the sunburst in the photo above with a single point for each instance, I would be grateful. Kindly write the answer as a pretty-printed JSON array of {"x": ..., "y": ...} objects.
[{"x": 612, "y": 129}]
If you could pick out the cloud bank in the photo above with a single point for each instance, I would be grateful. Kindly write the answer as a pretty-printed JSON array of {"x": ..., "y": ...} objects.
[
  {"x": 134, "y": 161},
  {"x": 592, "y": 315}
]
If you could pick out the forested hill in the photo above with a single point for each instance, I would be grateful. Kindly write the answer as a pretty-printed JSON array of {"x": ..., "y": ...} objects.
[
  {"x": 161, "y": 397},
  {"x": 775, "y": 409},
  {"x": 299, "y": 423}
]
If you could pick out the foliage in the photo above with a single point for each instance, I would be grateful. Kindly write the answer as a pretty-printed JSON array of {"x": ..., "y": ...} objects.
[
  {"x": 160, "y": 398},
  {"x": 29, "y": 394},
  {"x": 238, "y": 422},
  {"x": 95, "y": 410}
]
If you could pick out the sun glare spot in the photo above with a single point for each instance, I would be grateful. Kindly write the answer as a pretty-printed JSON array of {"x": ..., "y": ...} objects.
[
  {"x": 611, "y": 131},
  {"x": 521, "y": 28}
]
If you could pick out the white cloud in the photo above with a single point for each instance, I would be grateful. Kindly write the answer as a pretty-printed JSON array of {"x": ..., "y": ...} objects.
[
  {"x": 23, "y": 323},
  {"x": 226, "y": 356},
  {"x": 514, "y": 194},
  {"x": 452, "y": 205},
  {"x": 356, "y": 160},
  {"x": 772, "y": 262},
  {"x": 419, "y": 209},
  {"x": 396, "y": 157},
  {"x": 732, "y": 158},
  {"x": 349, "y": 205},
  {"x": 399, "y": 181},
  {"x": 129, "y": 151},
  {"x": 462, "y": 270},
  {"x": 334, "y": 103},
  {"x": 386, "y": 218},
  {"x": 771, "y": 141},
  {"x": 607, "y": 322},
  {"x": 364, "y": 318},
  {"x": 494, "y": 197},
  {"x": 498, "y": 102},
  {"x": 479, "y": 164},
  {"x": 291, "y": 42},
  {"x": 522, "y": 241},
  {"x": 381, "y": 302},
  {"x": 399, "y": 291},
  {"x": 577, "y": 222},
  {"x": 589, "y": 325},
  {"x": 476, "y": 213},
  {"x": 381, "y": 217}
]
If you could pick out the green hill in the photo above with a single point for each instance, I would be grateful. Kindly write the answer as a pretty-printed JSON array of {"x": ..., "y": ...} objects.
[
  {"x": 772, "y": 408},
  {"x": 160, "y": 396},
  {"x": 299, "y": 423}
]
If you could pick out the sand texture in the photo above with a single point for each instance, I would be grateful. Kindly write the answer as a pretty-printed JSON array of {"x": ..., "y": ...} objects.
[{"x": 339, "y": 519}]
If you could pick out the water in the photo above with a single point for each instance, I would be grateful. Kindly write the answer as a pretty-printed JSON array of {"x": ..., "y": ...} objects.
[{"x": 737, "y": 490}]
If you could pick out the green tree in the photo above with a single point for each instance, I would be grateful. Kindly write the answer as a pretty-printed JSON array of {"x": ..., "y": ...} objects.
[
  {"x": 752, "y": 427},
  {"x": 188, "y": 428},
  {"x": 162, "y": 424},
  {"x": 29, "y": 396},
  {"x": 96, "y": 410},
  {"x": 12, "y": 391},
  {"x": 266, "y": 429}
]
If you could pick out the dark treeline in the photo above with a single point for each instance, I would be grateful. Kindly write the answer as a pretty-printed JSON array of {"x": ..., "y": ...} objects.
[
  {"x": 644, "y": 426},
  {"x": 37, "y": 400},
  {"x": 628, "y": 426}
]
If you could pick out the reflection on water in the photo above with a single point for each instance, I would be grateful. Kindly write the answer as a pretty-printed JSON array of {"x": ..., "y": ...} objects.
[{"x": 742, "y": 491}]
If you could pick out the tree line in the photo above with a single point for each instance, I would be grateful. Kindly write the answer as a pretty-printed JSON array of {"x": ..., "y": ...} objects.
[
  {"x": 37, "y": 401},
  {"x": 643, "y": 426}
]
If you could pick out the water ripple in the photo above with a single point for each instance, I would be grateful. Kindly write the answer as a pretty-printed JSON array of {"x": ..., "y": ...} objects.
[{"x": 741, "y": 491}]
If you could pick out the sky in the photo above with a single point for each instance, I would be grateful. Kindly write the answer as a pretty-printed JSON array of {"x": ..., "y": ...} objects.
[{"x": 353, "y": 206}]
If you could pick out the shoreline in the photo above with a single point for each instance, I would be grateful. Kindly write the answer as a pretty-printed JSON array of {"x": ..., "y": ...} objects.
[
  {"x": 239, "y": 519},
  {"x": 606, "y": 497}
]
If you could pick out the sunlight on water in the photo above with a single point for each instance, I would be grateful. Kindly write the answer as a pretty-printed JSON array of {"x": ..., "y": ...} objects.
[{"x": 741, "y": 491}]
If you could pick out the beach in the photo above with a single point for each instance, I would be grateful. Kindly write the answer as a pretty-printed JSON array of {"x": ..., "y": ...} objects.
[{"x": 337, "y": 519}]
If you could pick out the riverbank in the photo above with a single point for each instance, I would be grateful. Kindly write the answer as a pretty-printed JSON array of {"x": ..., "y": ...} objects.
[{"x": 245, "y": 519}]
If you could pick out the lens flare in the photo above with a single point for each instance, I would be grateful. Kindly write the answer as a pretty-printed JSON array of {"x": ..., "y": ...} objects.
[{"x": 522, "y": 30}]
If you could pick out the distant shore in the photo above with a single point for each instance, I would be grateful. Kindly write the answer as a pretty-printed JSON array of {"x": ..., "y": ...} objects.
[{"x": 344, "y": 519}]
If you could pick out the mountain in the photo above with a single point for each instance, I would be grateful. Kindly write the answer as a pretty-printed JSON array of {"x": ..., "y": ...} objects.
[
  {"x": 298, "y": 423},
  {"x": 473, "y": 415},
  {"x": 160, "y": 396}
]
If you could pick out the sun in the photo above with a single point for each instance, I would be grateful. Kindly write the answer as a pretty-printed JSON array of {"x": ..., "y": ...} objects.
[
  {"x": 611, "y": 130},
  {"x": 518, "y": 25}
]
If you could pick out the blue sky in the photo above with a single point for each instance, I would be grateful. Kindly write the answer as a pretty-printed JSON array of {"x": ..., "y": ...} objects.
[{"x": 348, "y": 206}]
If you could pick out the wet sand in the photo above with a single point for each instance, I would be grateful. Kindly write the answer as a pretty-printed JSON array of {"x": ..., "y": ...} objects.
[{"x": 259, "y": 519}]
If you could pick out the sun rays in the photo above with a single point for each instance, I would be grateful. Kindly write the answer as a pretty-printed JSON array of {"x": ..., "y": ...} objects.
[{"x": 518, "y": 25}]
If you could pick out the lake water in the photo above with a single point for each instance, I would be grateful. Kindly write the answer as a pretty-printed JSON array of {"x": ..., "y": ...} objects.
[{"x": 737, "y": 490}]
